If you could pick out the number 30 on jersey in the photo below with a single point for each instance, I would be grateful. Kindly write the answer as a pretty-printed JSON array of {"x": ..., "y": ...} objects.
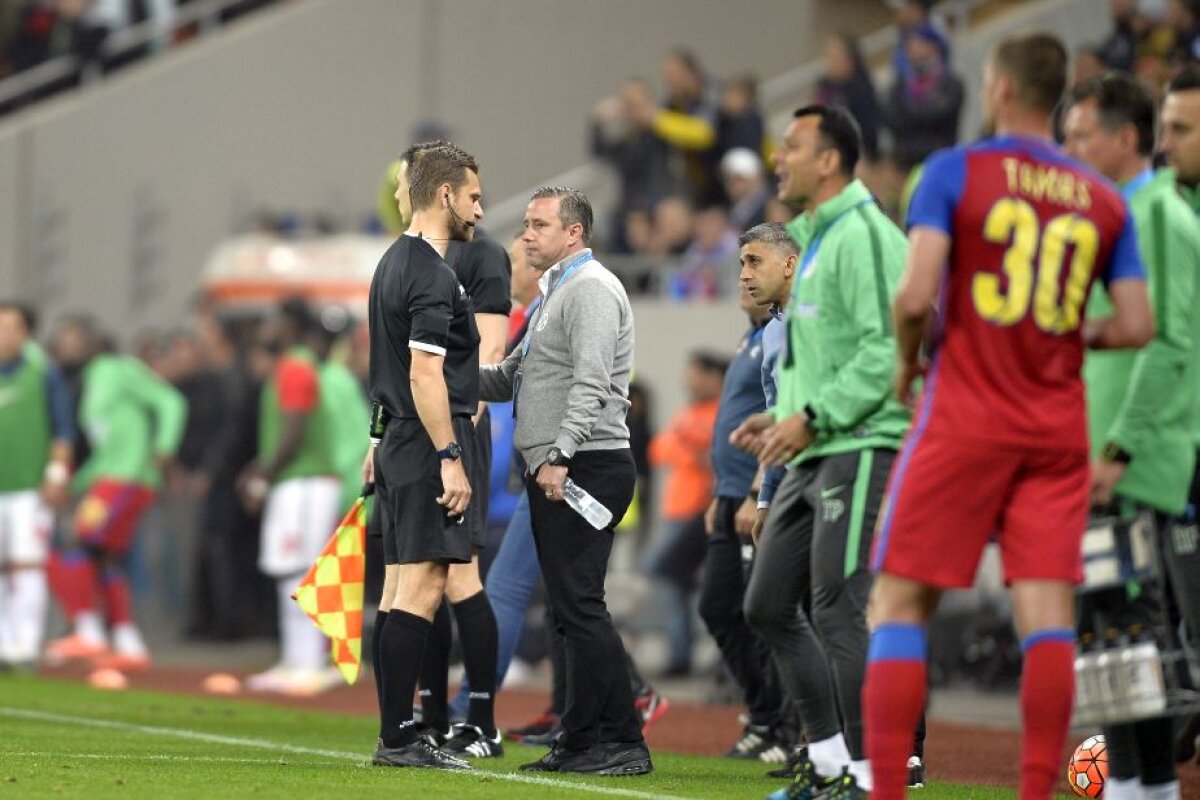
[{"x": 1014, "y": 222}]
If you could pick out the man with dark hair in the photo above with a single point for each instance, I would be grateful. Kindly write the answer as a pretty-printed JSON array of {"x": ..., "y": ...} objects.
[
  {"x": 999, "y": 449},
  {"x": 835, "y": 424},
  {"x": 483, "y": 268},
  {"x": 36, "y": 426},
  {"x": 731, "y": 516},
  {"x": 568, "y": 381},
  {"x": 294, "y": 480},
  {"x": 1179, "y": 141},
  {"x": 1141, "y": 424},
  {"x": 425, "y": 386}
]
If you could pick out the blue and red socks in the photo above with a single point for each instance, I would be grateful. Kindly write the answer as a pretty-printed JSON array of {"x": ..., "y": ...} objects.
[
  {"x": 893, "y": 700},
  {"x": 1047, "y": 691}
]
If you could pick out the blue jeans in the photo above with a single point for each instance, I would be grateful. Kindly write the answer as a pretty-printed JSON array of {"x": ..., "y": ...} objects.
[{"x": 513, "y": 576}]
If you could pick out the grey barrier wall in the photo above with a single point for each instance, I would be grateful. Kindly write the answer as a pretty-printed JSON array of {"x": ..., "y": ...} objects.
[{"x": 10, "y": 191}]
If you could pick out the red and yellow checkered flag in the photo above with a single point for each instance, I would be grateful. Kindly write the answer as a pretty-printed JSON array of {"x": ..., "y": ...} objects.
[{"x": 331, "y": 592}]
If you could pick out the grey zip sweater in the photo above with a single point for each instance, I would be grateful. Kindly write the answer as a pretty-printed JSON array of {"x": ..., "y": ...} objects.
[{"x": 574, "y": 390}]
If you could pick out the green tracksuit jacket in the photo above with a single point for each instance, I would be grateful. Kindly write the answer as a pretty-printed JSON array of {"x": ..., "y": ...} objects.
[
  {"x": 841, "y": 350},
  {"x": 130, "y": 415},
  {"x": 1144, "y": 400},
  {"x": 1191, "y": 195}
]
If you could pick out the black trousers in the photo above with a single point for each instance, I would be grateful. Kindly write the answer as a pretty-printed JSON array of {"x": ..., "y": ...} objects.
[
  {"x": 574, "y": 559},
  {"x": 721, "y": 599}
]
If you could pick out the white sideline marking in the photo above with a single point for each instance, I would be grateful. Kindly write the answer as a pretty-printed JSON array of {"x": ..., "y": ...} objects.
[
  {"x": 160, "y": 757},
  {"x": 266, "y": 744}
]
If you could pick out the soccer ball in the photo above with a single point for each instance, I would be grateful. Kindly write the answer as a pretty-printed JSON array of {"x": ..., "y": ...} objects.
[{"x": 1088, "y": 768}]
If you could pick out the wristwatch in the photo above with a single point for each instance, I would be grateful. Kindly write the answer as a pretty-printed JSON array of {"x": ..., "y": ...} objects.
[
  {"x": 1115, "y": 453},
  {"x": 452, "y": 452},
  {"x": 556, "y": 458},
  {"x": 810, "y": 416}
]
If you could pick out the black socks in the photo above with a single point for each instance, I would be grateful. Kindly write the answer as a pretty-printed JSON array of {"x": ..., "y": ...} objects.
[
  {"x": 434, "y": 666},
  {"x": 477, "y": 630},
  {"x": 376, "y": 668},
  {"x": 401, "y": 647}
]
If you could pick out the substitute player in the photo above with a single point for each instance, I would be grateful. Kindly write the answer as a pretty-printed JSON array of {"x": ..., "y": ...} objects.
[
  {"x": 999, "y": 445},
  {"x": 37, "y": 429},
  {"x": 296, "y": 476},
  {"x": 134, "y": 422}
]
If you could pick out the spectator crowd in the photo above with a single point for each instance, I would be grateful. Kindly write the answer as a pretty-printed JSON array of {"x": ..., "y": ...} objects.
[{"x": 33, "y": 32}]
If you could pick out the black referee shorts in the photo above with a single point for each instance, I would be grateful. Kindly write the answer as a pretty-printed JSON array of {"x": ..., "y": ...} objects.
[{"x": 408, "y": 481}]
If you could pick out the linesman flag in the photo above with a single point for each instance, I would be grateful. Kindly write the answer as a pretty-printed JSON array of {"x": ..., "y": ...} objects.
[{"x": 331, "y": 593}]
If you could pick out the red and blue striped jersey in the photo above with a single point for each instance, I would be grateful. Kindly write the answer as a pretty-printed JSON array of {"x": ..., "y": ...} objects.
[{"x": 1030, "y": 231}]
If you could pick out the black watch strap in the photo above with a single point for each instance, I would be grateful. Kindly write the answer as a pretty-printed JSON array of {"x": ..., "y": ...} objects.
[{"x": 1115, "y": 453}]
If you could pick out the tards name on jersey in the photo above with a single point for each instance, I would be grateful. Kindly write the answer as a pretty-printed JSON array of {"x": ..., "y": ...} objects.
[{"x": 1041, "y": 182}]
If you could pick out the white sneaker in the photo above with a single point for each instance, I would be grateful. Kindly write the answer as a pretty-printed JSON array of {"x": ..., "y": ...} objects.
[
  {"x": 271, "y": 680},
  {"x": 310, "y": 682}
]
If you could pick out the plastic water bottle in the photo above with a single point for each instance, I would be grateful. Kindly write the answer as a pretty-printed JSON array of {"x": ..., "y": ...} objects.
[
  {"x": 1109, "y": 665},
  {"x": 1144, "y": 674},
  {"x": 586, "y": 506},
  {"x": 1092, "y": 697}
]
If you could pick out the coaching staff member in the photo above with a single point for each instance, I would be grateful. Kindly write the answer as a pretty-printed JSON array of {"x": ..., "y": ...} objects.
[
  {"x": 569, "y": 382},
  {"x": 424, "y": 380}
]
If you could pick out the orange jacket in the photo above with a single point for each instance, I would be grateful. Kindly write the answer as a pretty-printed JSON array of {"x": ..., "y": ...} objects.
[{"x": 684, "y": 448}]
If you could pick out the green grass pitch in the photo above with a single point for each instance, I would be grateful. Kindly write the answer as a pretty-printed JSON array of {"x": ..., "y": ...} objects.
[{"x": 66, "y": 740}]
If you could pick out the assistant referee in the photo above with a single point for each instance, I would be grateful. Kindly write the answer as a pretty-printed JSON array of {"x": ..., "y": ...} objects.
[{"x": 424, "y": 381}]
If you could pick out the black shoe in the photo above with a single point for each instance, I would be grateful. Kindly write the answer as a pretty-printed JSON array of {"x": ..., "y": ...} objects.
[
  {"x": 610, "y": 758},
  {"x": 543, "y": 723},
  {"x": 844, "y": 787},
  {"x": 916, "y": 773},
  {"x": 788, "y": 770},
  {"x": 545, "y": 739},
  {"x": 470, "y": 741},
  {"x": 551, "y": 761},
  {"x": 806, "y": 783},
  {"x": 418, "y": 753},
  {"x": 432, "y": 735},
  {"x": 758, "y": 742}
]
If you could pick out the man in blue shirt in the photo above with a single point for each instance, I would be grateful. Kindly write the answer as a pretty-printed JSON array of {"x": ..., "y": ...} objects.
[{"x": 728, "y": 522}]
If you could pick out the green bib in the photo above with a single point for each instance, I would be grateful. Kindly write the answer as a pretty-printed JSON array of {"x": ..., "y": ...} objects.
[
  {"x": 24, "y": 427},
  {"x": 315, "y": 456}
]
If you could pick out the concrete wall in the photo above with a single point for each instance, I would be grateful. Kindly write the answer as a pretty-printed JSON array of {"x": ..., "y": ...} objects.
[
  {"x": 9, "y": 192},
  {"x": 666, "y": 332}
]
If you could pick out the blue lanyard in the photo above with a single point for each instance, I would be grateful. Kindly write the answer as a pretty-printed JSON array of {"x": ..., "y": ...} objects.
[
  {"x": 1135, "y": 185},
  {"x": 567, "y": 270},
  {"x": 810, "y": 252}
]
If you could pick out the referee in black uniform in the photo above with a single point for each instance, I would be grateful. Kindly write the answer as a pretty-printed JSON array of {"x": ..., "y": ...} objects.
[
  {"x": 424, "y": 382},
  {"x": 483, "y": 268}
]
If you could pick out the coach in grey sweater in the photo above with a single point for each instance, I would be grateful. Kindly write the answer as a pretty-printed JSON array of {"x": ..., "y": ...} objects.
[{"x": 569, "y": 382}]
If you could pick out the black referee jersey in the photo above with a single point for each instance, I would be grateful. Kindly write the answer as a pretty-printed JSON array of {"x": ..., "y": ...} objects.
[
  {"x": 485, "y": 271},
  {"x": 417, "y": 302}
]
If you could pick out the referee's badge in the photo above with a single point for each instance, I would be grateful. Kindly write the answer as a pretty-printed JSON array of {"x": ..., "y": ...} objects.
[{"x": 541, "y": 324}]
